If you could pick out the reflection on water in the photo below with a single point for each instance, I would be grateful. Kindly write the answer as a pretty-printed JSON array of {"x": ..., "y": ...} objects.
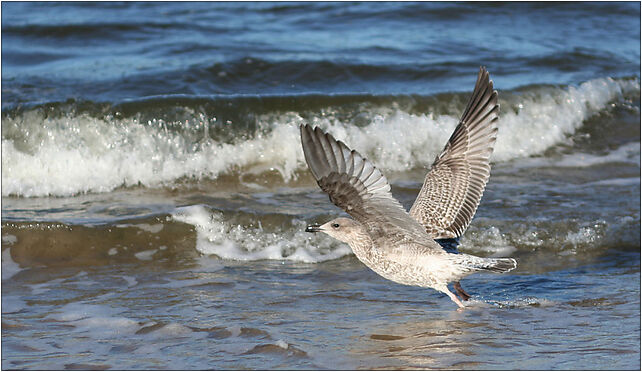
[
  {"x": 153, "y": 214},
  {"x": 201, "y": 312},
  {"x": 443, "y": 343}
]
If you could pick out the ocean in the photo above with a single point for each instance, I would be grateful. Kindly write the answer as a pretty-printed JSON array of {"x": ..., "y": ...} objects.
[{"x": 155, "y": 193}]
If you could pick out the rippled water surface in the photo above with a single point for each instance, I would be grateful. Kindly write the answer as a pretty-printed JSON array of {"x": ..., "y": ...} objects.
[{"x": 155, "y": 195}]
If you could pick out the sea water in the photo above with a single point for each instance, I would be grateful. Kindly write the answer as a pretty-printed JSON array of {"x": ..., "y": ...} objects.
[{"x": 155, "y": 194}]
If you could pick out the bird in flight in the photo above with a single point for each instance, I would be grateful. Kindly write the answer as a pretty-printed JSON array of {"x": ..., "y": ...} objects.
[{"x": 398, "y": 245}]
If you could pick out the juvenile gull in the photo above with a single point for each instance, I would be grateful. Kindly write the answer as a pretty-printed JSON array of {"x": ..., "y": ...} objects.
[{"x": 398, "y": 245}]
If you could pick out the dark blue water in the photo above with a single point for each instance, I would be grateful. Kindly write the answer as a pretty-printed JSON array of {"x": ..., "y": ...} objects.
[
  {"x": 112, "y": 52},
  {"x": 155, "y": 195}
]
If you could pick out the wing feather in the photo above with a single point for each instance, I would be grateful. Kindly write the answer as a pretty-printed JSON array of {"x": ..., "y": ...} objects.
[
  {"x": 355, "y": 185},
  {"x": 456, "y": 181}
]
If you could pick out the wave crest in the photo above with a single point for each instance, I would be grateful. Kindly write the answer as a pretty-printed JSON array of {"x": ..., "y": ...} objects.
[
  {"x": 233, "y": 241},
  {"x": 73, "y": 153}
]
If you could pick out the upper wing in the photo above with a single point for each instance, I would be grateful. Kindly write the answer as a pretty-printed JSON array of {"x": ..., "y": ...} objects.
[
  {"x": 456, "y": 181},
  {"x": 358, "y": 187}
]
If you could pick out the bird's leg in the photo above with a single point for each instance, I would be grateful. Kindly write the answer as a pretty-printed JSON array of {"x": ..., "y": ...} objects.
[
  {"x": 453, "y": 297},
  {"x": 460, "y": 291}
]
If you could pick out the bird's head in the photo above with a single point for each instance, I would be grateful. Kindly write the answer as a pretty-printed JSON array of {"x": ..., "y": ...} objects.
[{"x": 344, "y": 229}]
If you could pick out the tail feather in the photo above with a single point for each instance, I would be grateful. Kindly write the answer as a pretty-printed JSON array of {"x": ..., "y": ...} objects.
[
  {"x": 498, "y": 265},
  {"x": 495, "y": 265}
]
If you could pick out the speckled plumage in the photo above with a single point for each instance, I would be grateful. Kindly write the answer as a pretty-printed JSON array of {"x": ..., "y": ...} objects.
[
  {"x": 455, "y": 183},
  {"x": 395, "y": 244}
]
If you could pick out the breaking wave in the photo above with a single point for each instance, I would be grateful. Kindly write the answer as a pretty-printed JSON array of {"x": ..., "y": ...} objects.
[{"x": 76, "y": 151}]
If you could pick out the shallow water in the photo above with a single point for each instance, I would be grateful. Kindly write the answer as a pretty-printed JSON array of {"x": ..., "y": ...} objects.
[
  {"x": 331, "y": 315},
  {"x": 155, "y": 195}
]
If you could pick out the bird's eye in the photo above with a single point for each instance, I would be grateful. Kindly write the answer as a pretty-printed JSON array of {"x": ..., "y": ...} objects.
[{"x": 335, "y": 225}]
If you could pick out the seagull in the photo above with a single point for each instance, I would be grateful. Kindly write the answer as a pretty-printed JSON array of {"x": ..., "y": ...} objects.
[{"x": 398, "y": 245}]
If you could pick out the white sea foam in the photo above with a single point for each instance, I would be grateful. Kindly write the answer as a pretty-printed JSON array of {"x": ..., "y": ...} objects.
[
  {"x": 566, "y": 237},
  {"x": 549, "y": 117},
  {"x": 171, "y": 330},
  {"x": 96, "y": 320},
  {"x": 217, "y": 236},
  {"x": 77, "y": 311},
  {"x": 282, "y": 344},
  {"x": 489, "y": 239},
  {"x": 585, "y": 236},
  {"x": 630, "y": 181},
  {"x": 106, "y": 326},
  {"x": 227, "y": 240},
  {"x": 522, "y": 302},
  {"x": 78, "y": 153},
  {"x": 9, "y": 239},
  {"x": 627, "y": 153},
  {"x": 145, "y": 255},
  {"x": 154, "y": 229},
  {"x": 131, "y": 281}
]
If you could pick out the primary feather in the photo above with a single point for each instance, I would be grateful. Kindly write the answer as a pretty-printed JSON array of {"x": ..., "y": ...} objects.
[{"x": 456, "y": 181}]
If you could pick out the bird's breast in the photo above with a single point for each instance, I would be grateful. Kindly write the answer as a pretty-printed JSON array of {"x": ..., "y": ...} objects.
[{"x": 409, "y": 268}]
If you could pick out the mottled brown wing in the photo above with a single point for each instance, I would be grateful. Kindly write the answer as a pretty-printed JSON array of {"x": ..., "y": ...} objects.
[
  {"x": 455, "y": 183},
  {"x": 355, "y": 185}
]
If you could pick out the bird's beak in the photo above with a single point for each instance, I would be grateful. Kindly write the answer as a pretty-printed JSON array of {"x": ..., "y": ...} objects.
[{"x": 313, "y": 228}]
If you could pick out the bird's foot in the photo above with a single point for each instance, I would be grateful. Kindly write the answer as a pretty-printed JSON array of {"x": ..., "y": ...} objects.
[
  {"x": 454, "y": 298},
  {"x": 460, "y": 291}
]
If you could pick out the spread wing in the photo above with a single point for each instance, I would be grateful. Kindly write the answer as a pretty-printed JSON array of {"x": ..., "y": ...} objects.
[
  {"x": 455, "y": 183},
  {"x": 355, "y": 185}
]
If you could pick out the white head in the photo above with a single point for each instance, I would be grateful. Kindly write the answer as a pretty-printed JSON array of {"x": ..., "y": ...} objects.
[{"x": 345, "y": 229}]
